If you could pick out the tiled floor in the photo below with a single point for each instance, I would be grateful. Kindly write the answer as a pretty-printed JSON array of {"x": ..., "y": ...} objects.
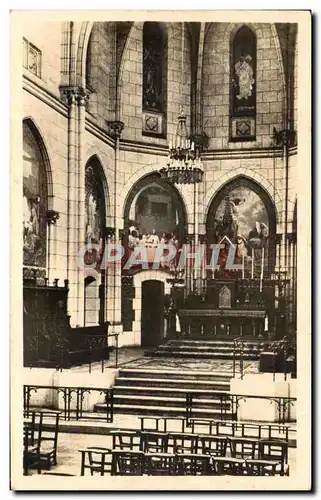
[
  {"x": 187, "y": 364},
  {"x": 133, "y": 357}
]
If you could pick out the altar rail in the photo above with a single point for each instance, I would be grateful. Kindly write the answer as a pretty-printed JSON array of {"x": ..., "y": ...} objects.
[
  {"x": 229, "y": 405},
  {"x": 283, "y": 355},
  {"x": 73, "y": 399}
]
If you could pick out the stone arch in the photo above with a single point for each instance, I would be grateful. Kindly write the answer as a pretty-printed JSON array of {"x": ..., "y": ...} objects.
[
  {"x": 215, "y": 230},
  {"x": 253, "y": 176},
  {"x": 154, "y": 181},
  {"x": 121, "y": 69},
  {"x": 83, "y": 40},
  {"x": 138, "y": 176},
  {"x": 36, "y": 196},
  {"x": 35, "y": 130},
  {"x": 275, "y": 36},
  {"x": 94, "y": 158},
  {"x": 232, "y": 28}
]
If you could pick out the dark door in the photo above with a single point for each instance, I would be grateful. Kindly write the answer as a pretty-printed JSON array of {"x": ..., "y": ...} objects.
[{"x": 152, "y": 317}]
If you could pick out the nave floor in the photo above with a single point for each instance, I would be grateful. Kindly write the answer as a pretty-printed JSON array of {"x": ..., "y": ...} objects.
[{"x": 133, "y": 357}]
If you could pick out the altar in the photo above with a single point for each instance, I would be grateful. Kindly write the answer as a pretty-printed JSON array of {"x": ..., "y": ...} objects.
[{"x": 228, "y": 308}]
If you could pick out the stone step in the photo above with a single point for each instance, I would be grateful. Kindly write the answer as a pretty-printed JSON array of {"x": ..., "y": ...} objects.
[
  {"x": 128, "y": 399},
  {"x": 224, "y": 341},
  {"x": 134, "y": 409},
  {"x": 204, "y": 355},
  {"x": 167, "y": 392},
  {"x": 200, "y": 349},
  {"x": 173, "y": 374},
  {"x": 172, "y": 383}
]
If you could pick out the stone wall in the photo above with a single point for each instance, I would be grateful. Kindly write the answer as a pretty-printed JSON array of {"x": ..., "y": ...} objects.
[
  {"x": 141, "y": 155},
  {"x": 216, "y": 86}
]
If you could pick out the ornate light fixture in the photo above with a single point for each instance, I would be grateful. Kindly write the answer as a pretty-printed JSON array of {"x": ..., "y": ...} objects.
[{"x": 184, "y": 165}]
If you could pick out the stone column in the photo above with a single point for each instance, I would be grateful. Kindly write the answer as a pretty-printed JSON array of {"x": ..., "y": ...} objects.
[
  {"x": 69, "y": 95},
  {"x": 114, "y": 274},
  {"x": 82, "y": 99}
]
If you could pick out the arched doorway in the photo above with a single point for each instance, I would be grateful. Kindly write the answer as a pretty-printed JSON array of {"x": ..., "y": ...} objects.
[
  {"x": 152, "y": 316},
  {"x": 154, "y": 213}
]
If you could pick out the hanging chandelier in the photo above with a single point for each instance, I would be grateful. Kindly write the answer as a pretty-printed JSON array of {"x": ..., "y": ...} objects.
[{"x": 183, "y": 165}]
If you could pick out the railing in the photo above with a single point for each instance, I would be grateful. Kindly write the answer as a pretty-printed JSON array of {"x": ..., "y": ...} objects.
[
  {"x": 76, "y": 413},
  {"x": 279, "y": 349},
  {"x": 228, "y": 428},
  {"x": 229, "y": 405}
]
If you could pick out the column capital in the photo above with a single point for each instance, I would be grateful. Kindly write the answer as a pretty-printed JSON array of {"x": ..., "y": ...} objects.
[
  {"x": 115, "y": 128},
  {"x": 74, "y": 94},
  {"x": 283, "y": 137},
  {"x": 52, "y": 216}
]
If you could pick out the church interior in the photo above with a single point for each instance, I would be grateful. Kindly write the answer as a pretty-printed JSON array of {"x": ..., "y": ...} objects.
[{"x": 159, "y": 248}]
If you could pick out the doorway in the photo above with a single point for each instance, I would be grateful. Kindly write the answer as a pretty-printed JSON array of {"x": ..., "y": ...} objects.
[
  {"x": 94, "y": 301},
  {"x": 152, "y": 316}
]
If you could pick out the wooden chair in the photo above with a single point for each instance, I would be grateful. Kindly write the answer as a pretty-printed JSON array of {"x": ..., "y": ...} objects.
[
  {"x": 40, "y": 440},
  {"x": 228, "y": 466},
  {"x": 174, "y": 424},
  {"x": 275, "y": 450},
  {"x": 127, "y": 463},
  {"x": 214, "y": 445},
  {"x": 242, "y": 447},
  {"x": 182, "y": 443},
  {"x": 126, "y": 440},
  {"x": 154, "y": 442},
  {"x": 161, "y": 464},
  {"x": 201, "y": 426},
  {"x": 31, "y": 451},
  {"x": 194, "y": 465},
  {"x": 156, "y": 421},
  {"x": 259, "y": 467},
  {"x": 97, "y": 460},
  {"x": 48, "y": 437}
]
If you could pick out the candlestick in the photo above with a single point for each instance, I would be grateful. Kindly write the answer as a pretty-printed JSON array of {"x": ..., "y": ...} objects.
[
  {"x": 266, "y": 324},
  {"x": 243, "y": 266},
  {"x": 262, "y": 267},
  {"x": 252, "y": 271}
]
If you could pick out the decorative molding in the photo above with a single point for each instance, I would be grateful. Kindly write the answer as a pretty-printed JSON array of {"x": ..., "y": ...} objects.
[
  {"x": 222, "y": 313},
  {"x": 44, "y": 95},
  {"x": 99, "y": 133},
  {"x": 115, "y": 128},
  {"x": 153, "y": 123},
  {"x": 242, "y": 129},
  {"x": 143, "y": 147},
  {"x": 236, "y": 154},
  {"x": 213, "y": 154}
]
